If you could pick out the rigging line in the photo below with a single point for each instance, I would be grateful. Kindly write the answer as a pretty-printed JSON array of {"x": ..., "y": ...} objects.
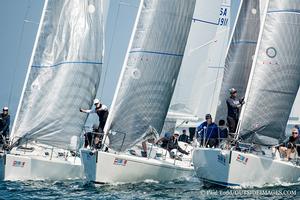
[
  {"x": 221, "y": 59},
  {"x": 214, "y": 39},
  {"x": 112, "y": 42},
  {"x": 18, "y": 52}
]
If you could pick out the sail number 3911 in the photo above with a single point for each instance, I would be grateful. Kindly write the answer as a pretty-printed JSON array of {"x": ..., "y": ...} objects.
[{"x": 223, "y": 19}]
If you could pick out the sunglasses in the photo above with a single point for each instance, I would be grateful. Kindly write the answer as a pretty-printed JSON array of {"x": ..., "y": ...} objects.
[{"x": 294, "y": 133}]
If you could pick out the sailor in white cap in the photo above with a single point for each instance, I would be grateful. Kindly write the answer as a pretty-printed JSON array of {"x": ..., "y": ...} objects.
[{"x": 101, "y": 110}]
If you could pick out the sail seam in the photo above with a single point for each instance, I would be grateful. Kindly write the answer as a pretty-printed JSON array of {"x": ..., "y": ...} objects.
[
  {"x": 156, "y": 52},
  {"x": 284, "y": 11},
  {"x": 244, "y": 42},
  {"x": 67, "y": 62},
  {"x": 278, "y": 92}
]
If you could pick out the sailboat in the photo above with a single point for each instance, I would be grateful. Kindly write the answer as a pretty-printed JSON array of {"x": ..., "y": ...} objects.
[
  {"x": 142, "y": 97},
  {"x": 63, "y": 75},
  {"x": 272, "y": 88}
]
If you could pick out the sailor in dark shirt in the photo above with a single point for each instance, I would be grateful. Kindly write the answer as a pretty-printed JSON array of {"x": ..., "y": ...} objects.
[
  {"x": 184, "y": 137},
  {"x": 171, "y": 143},
  {"x": 207, "y": 132},
  {"x": 102, "y": 112},
  {"x": 234, "y": 105},
  {"x": 4, "y": 125},
  {"x": 290, "y": 145},
  {"x": 223, "y": 130}
]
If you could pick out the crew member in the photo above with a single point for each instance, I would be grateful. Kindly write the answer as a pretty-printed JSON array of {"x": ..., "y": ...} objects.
[
  {"x": 207, "y": 132},
  {"x": 290, "y": 145},
  {"x": 102, "y": 112},
  {"x": 4, "y": 125},
  {"x": 234, "y": 105}
]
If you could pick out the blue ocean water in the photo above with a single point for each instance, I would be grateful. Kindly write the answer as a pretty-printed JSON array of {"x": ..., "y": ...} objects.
[{"x": 190, "y": 188}]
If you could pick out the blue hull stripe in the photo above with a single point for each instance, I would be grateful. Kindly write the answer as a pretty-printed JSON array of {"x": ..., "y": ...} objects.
[
  {"x": 68, "y": 62},
  {"x": 219, "y": 182}
]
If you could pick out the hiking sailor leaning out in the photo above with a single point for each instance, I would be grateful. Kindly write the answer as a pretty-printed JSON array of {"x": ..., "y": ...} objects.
[
  {"x": 102, "y": 112},
  {"x": 170, "y": 142},
  {"x": 234, "y": 105},
  {"x": 4, "y": 125},
  {"x": 290, "y": 145}
]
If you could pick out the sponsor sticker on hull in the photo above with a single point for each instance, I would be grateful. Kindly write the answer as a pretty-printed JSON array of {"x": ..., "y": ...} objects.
[
  {"x": 17, "y": 163},
  {"x": 119, "y": 161},
  {"x": 222, "y": 159},
  {"x": 242, "y": 159}
]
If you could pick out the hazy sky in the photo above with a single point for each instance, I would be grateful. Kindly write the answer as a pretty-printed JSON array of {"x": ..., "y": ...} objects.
[{"x": 19, "y": 22}]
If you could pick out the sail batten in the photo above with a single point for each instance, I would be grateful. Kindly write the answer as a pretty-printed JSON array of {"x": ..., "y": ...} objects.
[
  {"x": 275, "y": 78},
  {"x": 150, "y": 70},
  {"x": 63, "y": 74}
]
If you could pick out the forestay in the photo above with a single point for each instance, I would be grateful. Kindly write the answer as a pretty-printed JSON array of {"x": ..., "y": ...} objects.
[
  {"x": 275, "y": 77},
  {"x": 150, "y": 71},
  {"x": 240, "y": 53},
  {"x": 63, "y": 74}
]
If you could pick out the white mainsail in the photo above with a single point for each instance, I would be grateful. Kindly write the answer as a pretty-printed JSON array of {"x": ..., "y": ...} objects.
[
  {"x": 240, "y": 54},
  {"x": 275, "y": 75},
  {"x": 150, "y": 70},
  {"x": 63, "y": 74}
]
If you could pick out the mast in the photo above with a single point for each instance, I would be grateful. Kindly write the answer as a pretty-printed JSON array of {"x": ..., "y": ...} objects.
[
  {"x": 108, "y": 123},
  {"x": 252, "y": 68}
]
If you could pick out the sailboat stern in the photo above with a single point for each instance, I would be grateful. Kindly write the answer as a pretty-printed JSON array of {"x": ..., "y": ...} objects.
[
  {"x": 89, "y": 160},
  {"x": 212, "y": 166},
  {"x": 2, "y": 162}
]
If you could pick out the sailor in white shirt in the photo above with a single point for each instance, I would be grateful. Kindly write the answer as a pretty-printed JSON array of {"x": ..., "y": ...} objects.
[{"x": 102, "y": 112}]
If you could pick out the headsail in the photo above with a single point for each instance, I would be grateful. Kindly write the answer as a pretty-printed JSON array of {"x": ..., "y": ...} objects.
[
  {"x": 240, "y": 53},
  {"x": 187, "y": 96},
  {"x": 63, "y": 74},
  {"x": 150, "y": 70},
  {"x": 275, "y": 77},
  {"x": 209, "y": 88}
]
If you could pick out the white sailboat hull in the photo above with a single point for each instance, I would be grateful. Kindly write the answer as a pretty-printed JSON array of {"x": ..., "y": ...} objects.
[
  {"x": 24, "y": 167},
  {"x": 40, "y": 162},
  {"x": 233, "y": 168},
  {"x": 103, "y": 167}
]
